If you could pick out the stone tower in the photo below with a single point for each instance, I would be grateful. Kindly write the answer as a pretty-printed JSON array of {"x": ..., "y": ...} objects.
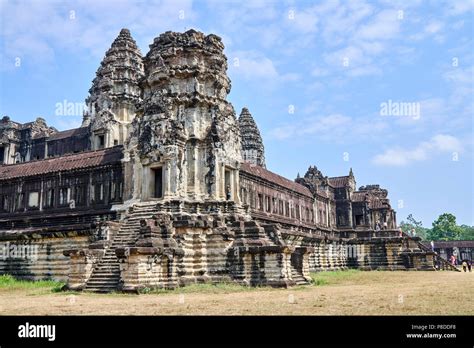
[
  {"x": 185, "y": 142},
  {"x": 252, "y": 145},
  {"x": 114, "y": 93}
]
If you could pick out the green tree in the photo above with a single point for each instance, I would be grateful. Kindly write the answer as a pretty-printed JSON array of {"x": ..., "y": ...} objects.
[
  {"x": 467, "y": 232},
  {"x": 411, "y": 224},
  {"x": 445, "y": 228}
]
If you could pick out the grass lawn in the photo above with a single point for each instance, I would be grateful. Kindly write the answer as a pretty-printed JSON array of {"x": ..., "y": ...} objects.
[
  {"x": 350, "y": 292},
  {"x": 7, "y": 282}
]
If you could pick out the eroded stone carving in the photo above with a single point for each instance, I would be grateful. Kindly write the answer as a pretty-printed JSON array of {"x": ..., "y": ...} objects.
[{"x": 184, "y": 119}]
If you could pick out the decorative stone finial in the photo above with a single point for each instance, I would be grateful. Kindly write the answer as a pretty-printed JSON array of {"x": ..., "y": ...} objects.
[{"x": 125, "y": 32}]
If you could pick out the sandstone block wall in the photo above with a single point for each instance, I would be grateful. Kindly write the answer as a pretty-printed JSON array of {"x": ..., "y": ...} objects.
[
  {"x": 39, "y": 256},
  {"x": 390, "y": 253}
]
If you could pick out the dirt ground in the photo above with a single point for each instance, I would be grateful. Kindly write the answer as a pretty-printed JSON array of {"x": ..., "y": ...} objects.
[{"x": 364, "y": 293}]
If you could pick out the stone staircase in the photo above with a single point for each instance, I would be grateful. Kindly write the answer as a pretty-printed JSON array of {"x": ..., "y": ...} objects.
[
  {"x": 442, "y": 263},
  {"x": 105, "y": 276},
  {"x": 297, "y": 277}
]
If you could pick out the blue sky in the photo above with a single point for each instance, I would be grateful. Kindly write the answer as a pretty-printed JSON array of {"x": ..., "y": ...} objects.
[{"x": 313, "y": 74}]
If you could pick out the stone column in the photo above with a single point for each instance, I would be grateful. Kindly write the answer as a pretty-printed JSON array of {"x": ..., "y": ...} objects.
[{"x": 167, "y": 180}]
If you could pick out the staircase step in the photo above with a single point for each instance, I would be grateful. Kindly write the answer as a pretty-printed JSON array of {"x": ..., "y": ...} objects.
[
  {"x": 102, "y": 290},
  {"x": 103, "y": 284},
  {"x": 106, "y": 274}
]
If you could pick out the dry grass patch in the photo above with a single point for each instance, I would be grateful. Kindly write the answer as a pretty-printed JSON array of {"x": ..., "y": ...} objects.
[{"x": 338, "y": 293}]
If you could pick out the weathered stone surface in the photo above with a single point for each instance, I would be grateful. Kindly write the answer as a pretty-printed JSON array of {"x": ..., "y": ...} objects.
[
  {"x": 185, "y": 125},
  {"x": 82, "y": 264},
  {"x": 388, "y": 253},
  {"x": 115, "y": 92},
  {"x": 23, "y": 142},
  {"x": 253, "y": 150},
  {"x": 40, "y": 256}
]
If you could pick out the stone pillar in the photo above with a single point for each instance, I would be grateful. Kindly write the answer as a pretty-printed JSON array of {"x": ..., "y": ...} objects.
[
  {"x": 350, "y": 217},
  {"x": 221, "y": 181},
  {"x": 167, "y": 180},
  {"x": 195, "y": 171}
]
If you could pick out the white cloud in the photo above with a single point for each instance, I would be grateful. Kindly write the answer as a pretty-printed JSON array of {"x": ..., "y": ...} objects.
[
  {"x": 460, "y": 76},
  {"x": 353, "y": 54},
  {"x": 398, "y": 156},
  {"x": 34, "y": 29},
  {"x": 326, "y": 124},
  {"x": 386, "y": 25},
  {"x": 340, "y": 21},
  {"x": 459, "y": 7},
  {"x": 461, "y": 81},
  {"x": 433, "y": 29},
  {"x": 310, "y": 126},
  {"x": 254, "y": 66},
  {"x": 365, "y": 70},
  {"x": 362, "y": 36},
  {"x": 355, "y": 60},
  {"x": 334, "y": 128},
  {"x": 304, "y": 21}
]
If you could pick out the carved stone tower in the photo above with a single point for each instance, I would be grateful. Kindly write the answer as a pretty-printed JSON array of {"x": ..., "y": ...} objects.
[
  {"x": 114, "y": 93},
  {"x": 186, "y": 141},
  {"x": 252, "y": 144}
]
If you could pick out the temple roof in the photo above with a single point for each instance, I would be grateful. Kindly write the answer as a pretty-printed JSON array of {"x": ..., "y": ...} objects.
[
  {"x": 251, "y": 138},
  {"x": 339, "y": 181},
  {"x": 249, "y": 130},
  {"x": 119, "y": 73},
  {"x": 60, "y": 164},
  {"x": 359, "y": 196},
  {"x": 69, "y": 133},
  {"x": 275, "y": 178}
]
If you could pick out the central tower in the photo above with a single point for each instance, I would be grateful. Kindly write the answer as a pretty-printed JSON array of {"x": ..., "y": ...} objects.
[{"x": 185, "y": 140}]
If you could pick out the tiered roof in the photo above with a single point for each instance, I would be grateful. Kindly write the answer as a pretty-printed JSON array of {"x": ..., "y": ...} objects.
[
  {"x": 253, "y": 150},
  {"x": 119, "y": 73}
]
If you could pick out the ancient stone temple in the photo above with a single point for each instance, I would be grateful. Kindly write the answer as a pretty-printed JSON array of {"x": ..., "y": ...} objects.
[{"x": 163, "y": 186}]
